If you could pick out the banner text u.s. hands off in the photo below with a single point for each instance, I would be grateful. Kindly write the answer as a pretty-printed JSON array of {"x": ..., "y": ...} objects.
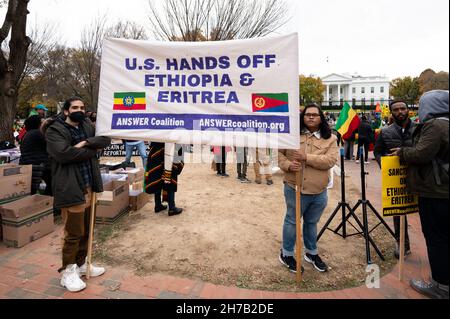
[{"x": 246, "y": 95}]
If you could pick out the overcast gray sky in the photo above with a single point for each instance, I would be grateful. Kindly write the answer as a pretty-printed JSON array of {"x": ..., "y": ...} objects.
[{"x": 369, "y": 37}]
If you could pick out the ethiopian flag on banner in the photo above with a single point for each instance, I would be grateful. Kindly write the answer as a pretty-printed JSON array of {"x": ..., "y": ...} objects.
[
  {"x": 270, "y": 102},
  {"x": 347, "y": 122},
  {"x": 129, "y": 101}
]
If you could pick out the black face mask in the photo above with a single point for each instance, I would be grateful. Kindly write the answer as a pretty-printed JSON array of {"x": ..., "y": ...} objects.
[{"x": 77, "y": 117}]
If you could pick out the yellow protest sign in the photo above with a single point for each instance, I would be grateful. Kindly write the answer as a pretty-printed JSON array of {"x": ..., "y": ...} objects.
[{"x": 396, "y": 200}]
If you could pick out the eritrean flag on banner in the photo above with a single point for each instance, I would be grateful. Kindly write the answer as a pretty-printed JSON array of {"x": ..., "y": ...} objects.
[
  {"x": 347, "y": 122},
  {"x": 270, "y": 102},
  {"x": 129, "y": 101}
]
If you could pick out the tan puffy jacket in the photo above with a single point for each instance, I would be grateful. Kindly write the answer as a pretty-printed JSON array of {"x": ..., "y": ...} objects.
[{"x": 322, "y": 155}]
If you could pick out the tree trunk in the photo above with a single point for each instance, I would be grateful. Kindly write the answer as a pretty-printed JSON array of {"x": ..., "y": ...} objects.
[{"x": 11, "y": 69}]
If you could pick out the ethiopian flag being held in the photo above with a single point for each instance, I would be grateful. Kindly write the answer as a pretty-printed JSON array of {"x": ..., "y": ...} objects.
[
  {"x": 129, "y": 101},
  {"x": 347, "y": 122}
]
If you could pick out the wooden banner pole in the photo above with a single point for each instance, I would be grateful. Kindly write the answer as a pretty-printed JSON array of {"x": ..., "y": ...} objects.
[
  {"x": 91, "y": 234},
  {"x": 402, "y": 247},
  {"x": 299, "y": 239}
]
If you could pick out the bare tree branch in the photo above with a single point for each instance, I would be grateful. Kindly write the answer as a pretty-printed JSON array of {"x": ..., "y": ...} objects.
[
  {"x": 126, "y": 30},
  {"x": 214, "y": 20},
  {"x": 87, "y": 59},
  {"x": 44, "y": 39}
]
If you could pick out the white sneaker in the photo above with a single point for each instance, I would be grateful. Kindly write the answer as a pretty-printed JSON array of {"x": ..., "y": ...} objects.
[
  {"x": 71, "y": 280},
  {"x": 95, "y": 270}
]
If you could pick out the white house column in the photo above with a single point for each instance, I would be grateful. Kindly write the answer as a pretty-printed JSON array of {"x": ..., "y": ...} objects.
[{"x": 339, "y": 94}]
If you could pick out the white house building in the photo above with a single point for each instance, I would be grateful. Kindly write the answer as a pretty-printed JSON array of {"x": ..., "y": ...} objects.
[{"x": 356, "y": 90}]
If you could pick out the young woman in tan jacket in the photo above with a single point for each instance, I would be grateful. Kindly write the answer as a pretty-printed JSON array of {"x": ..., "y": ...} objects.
[{"x": 318, "y": 153}]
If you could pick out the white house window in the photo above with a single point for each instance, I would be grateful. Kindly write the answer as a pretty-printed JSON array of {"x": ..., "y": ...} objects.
[
  {"x": 331, "y": 90},
  {"x": 363, "y": 90},
  {"x": 382, "y": 89},
  {"x": 342, "y": 90},
  {"x": 372, "y": 90},
  {"x": 354, "y": 90}
]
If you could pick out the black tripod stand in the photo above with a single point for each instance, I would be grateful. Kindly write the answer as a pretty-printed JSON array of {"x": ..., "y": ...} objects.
[
  {"x": 342, "y": 205},
  {"x": 364, "y": 225}
]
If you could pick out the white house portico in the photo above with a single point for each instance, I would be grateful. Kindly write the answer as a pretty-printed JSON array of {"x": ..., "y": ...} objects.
[{"x": 356, "y": 90}]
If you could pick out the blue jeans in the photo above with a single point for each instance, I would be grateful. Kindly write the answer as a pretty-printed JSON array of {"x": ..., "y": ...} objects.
[
  {"x": 142, "y": 152},
  {"x": 312, "y": 207}
]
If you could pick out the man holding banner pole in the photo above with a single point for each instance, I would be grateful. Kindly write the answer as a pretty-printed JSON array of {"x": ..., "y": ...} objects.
[
  {"x": 72, "y": 146},
  {"x": 307, "y": 170}
]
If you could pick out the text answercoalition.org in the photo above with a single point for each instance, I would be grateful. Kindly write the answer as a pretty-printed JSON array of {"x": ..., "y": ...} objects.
[
  {"x": 249, "y": 124},
  {"x": 202, "y": 125},
  {"x": 194, "y": 122}
]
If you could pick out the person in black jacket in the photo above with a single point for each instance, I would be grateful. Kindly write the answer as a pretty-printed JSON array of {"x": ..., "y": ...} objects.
[
  {"x": 365, "y": 137},
  {"x": 33, "y": 151},
  {"x": 72, "y": 146},
  {"x": 398, "y": 134}
]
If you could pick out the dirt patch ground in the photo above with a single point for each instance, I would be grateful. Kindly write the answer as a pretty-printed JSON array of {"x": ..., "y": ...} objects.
[{"x": 230, "y": 234}]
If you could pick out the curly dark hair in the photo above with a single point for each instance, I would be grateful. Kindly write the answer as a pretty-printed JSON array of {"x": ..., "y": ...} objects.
[
  {"x": 325, "y": 130},
  {"x": 69, "y": 101}
]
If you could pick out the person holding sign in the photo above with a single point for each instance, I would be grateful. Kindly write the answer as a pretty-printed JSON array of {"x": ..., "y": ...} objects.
[
  {"x": 399, "y": 134},
  {"x": 427, "y": 176},
  {"x": 72, "y": 146},
  {"x": 318, "y": 153}
]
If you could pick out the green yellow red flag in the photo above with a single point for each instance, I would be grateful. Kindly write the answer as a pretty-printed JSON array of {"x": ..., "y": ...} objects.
[{"x": 347, "y": 122}]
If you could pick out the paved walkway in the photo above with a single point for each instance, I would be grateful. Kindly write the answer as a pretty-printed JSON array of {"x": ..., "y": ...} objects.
[{"x": 31, "y": 272}]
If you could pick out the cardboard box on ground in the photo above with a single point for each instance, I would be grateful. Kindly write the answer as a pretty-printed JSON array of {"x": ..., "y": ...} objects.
[
  {"x": 114, "y": 201},
  {"x": 111, "y": 204},
  {"x": 27, "y": 219},
  {"x": 135, "y": 175},
  {"x": 15, "y": 181},
  {"x": 138, "y": 199}
]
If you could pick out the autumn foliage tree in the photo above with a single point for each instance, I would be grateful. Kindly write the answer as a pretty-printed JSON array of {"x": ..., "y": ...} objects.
[
  {"x": 430, "y": 80},
  {"x": 407, "y": 89},
  {"x": 311, "y": 90}
]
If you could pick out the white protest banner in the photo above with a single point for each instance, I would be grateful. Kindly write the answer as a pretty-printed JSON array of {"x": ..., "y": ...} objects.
[{"x": 241, "y": 92}]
